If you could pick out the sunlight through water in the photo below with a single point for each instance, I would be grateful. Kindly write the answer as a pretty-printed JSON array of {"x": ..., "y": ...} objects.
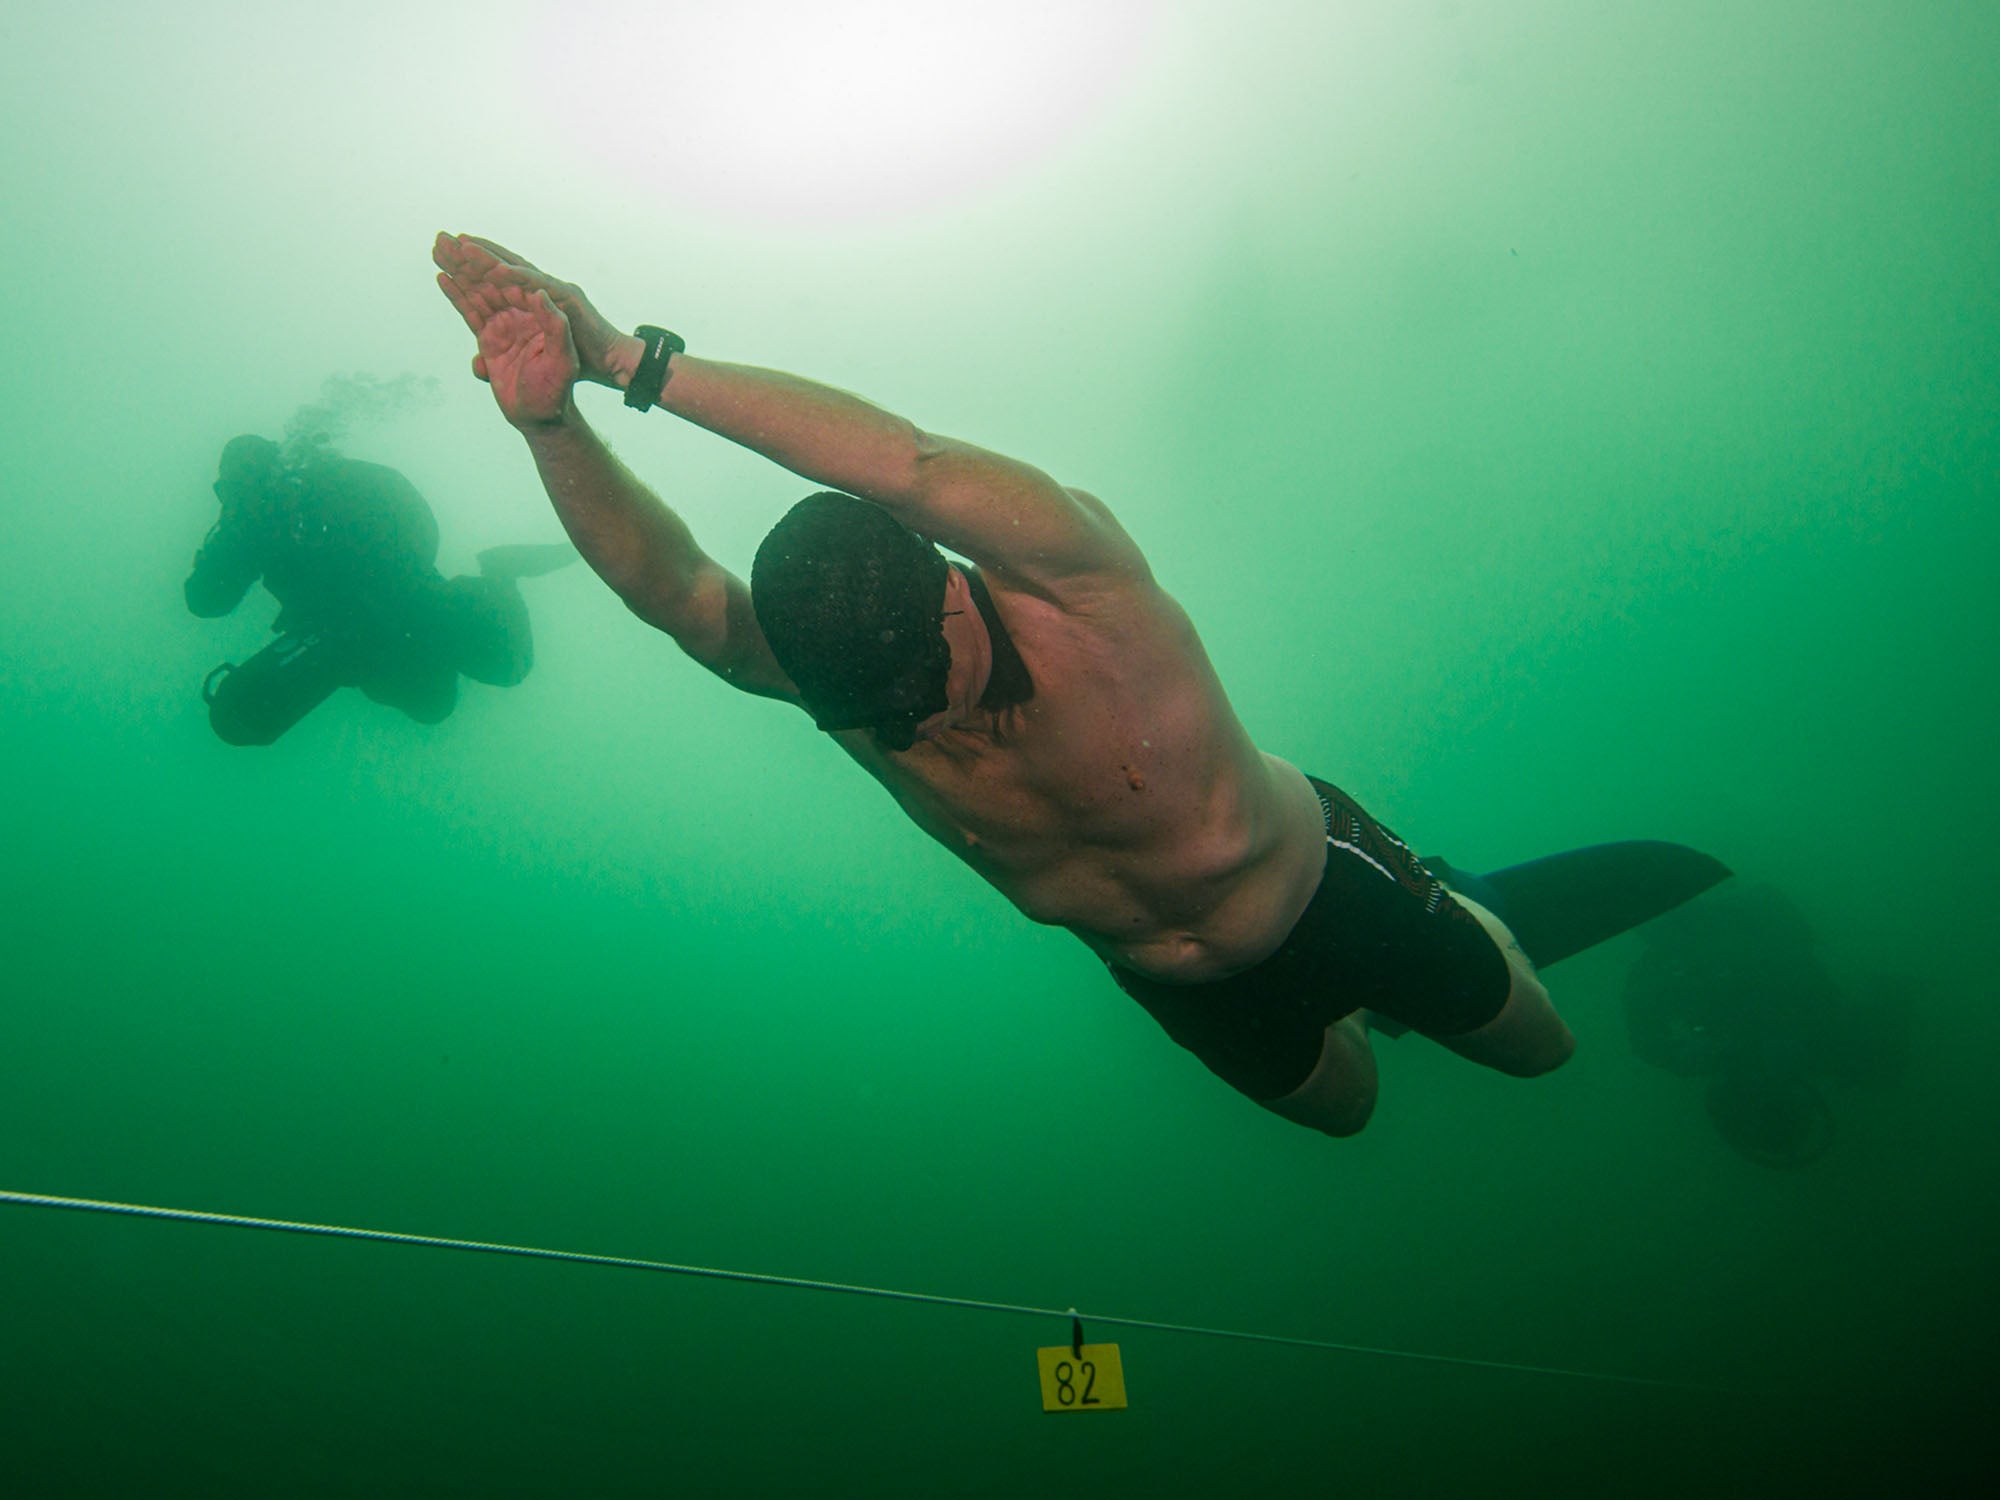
[{"x": 790, "y": 112}]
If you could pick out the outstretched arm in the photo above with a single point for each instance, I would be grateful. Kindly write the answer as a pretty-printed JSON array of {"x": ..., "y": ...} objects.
[
  {"x": 998, "y": 511},
  {"x": 1003, "y": 514},
  {"x": 636, "y": 544}
]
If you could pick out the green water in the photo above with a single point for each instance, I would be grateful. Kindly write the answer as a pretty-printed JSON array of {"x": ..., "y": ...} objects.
[{"x": 1564, "y": 423}]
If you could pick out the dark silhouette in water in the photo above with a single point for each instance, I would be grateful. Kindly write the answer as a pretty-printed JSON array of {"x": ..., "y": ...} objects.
[
  {"x": 1733, "y": 991},
  {"x": 349, "y": 550}
]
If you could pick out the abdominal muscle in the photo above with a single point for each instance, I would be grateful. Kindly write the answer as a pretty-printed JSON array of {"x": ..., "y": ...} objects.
[
  {"x": 1209, "y": 923},
  {"x": 1181, "y": 899}
]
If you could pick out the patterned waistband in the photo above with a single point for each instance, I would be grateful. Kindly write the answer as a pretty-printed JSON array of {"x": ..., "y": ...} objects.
[{"x": 1354, "y": 832}]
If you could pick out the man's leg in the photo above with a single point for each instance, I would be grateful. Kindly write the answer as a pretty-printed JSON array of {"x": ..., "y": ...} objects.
[
  {"x": 1339, "y": 1096},
  {"x": 1527, "y": 1038}
]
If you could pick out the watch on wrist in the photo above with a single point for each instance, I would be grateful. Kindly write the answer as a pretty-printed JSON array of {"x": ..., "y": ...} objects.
[{"x": 651, "y": 374}]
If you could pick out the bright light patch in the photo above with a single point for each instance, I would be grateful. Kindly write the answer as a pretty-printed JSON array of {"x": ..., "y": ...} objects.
[{"x": 834, "y": 109}]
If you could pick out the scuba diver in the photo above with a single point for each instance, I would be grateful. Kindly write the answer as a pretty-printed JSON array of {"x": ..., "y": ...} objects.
[
  {"x": 349, "y": 550},
  {"x": 1731, "y": 990}
]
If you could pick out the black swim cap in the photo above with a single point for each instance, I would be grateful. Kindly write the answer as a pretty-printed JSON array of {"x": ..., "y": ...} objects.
[{"x": 852, "y": 602}]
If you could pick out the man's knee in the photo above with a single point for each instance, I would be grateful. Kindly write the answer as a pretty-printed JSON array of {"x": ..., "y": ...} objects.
[
  {"x": 1338, "y": 1098},
  {"x": 1539, "y": 1055},
  {"x": 1527, "y": 1038},
  {"x": 1350, "y": 1119},
  {"x": 1339, "y": 1115}
]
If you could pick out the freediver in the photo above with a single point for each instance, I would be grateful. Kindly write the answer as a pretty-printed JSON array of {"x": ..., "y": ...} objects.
[
  {"x": 1048, "y": 714},
  {"x": 349, "y": 550}
]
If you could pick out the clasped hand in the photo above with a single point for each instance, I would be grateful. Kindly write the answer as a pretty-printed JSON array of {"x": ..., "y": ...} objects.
[
  {"x": 483, "y": 278},
  {"x": 527, "y": 352}
]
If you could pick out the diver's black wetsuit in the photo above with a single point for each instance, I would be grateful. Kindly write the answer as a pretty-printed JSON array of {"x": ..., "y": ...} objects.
[{"x": 349, "y": 550}]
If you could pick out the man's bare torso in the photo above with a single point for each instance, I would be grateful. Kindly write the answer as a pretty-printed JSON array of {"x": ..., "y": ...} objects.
[{"x": 1124, "y": 800}]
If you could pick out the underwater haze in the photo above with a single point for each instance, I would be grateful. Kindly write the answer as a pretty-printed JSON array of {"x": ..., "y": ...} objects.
[{"x": 1565, "y": 422}]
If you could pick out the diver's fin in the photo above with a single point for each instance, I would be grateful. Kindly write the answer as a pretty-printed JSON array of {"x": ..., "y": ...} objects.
[
  {"x": 526, "y": 559},
  {"x": 1566, "y": 903}
]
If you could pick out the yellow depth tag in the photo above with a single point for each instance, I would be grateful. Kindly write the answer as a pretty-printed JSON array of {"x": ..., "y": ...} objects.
[{"x": 1094, "y": 1383}]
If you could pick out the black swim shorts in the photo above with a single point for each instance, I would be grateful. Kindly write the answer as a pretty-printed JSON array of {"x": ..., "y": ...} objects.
[{"x": 1380, "y": 933}]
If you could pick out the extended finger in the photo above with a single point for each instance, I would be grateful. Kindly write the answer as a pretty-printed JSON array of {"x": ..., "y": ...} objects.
[
  {"x": 536, "y": 304},
  {"x": 475, "y": 266},
  {"x": 519, "y": 294},
  {"x": 452, "y": 253},
  {"x": 482, "y": 295},
  {"x": 486, "y": 261},
  {"x": 501, "y": 253},
  {"x": 474, "y": 313},
  {"x": 549, "y": 315}
]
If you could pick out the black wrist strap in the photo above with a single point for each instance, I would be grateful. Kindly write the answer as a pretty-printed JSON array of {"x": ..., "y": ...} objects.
[{"x": 651, "y": 376}]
